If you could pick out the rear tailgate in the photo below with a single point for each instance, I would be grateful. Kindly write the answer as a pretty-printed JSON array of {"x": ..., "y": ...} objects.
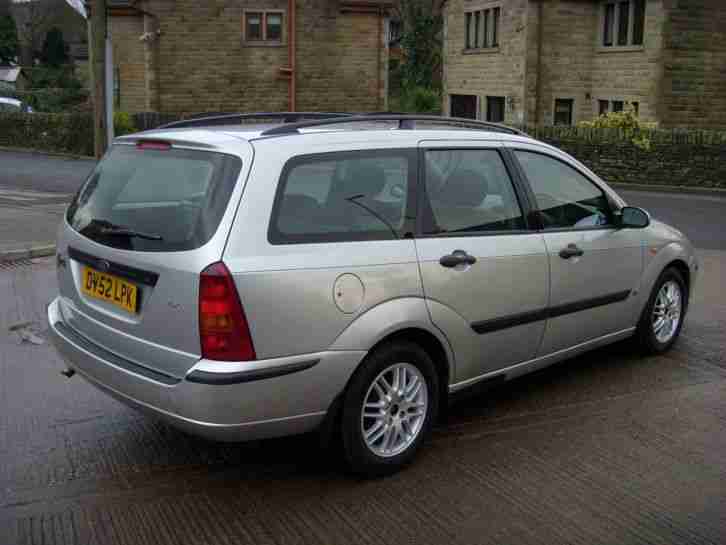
[{"x": 148, "y": 220}]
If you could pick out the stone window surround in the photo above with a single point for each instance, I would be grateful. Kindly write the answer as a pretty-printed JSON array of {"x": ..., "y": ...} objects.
[
  {"x": 480, "y": 7},
  {"x": 478, "y": 103},
  {"x": 481, "y": 104},
  {"x": 611, "y": 99},
  {"x": 575, "y": 104},
  {"x": 615, "y": 48},
  {"x": 264, "y": 42}
]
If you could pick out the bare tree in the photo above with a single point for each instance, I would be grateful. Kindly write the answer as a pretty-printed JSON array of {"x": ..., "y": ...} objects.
[{"x": 33, "y": 18}]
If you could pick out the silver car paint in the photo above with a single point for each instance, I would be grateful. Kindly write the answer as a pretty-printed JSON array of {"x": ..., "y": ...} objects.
[
  {"x": 611, "y": 264},
  {"x": 289, "y": 288},
  {"x": 287, "y": 292},
  {"x": 510, "y": 277},
  {"x": 158, "y": 337},
  {"x": 250, "y": 410}
]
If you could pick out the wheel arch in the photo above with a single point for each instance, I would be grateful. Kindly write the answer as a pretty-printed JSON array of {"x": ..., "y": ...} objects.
[
  {"x": 672, "y": 255},
  {"x": 405, "y": 319}
]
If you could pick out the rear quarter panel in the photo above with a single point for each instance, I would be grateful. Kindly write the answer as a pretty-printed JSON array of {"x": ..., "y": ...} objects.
[{"x": 287, "y": 290}]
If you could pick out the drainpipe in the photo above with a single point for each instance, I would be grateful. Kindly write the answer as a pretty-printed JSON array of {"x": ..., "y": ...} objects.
[
  {"x": 289, "y": 70},
  {"x": 380, "y": 52},
  {"x": 538, "y": 87}
]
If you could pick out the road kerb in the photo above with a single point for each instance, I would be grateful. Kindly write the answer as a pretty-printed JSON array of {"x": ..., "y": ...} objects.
[
  {"x": 657, "y": 188},
  {"x": 27, "y": 253}
]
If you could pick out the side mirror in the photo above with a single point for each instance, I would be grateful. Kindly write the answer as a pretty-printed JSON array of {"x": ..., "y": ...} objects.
[{"x": 633, "y": 217}]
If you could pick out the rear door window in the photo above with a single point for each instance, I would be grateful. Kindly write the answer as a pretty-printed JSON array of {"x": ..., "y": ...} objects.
[
  {"x": 155, "y": 199},
  {"x": 337, "y": 197}
]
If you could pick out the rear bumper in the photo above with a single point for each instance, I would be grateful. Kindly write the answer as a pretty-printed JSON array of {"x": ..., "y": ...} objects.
[{"x": 266, "y": 398}]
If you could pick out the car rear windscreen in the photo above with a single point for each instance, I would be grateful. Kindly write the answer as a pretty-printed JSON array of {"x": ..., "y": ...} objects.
[{"x": 154, "y": 200}]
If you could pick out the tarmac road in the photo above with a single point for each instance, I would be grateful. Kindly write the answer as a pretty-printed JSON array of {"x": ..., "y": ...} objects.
[{"x": 609, "y": 448}]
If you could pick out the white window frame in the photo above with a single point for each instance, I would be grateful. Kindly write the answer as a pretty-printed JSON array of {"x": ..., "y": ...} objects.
[
  {"x": 616, "y": 27},
  {"x": 263, "y": 27}
]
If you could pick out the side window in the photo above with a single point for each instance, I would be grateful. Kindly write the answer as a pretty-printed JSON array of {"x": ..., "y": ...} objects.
[
  {"x": 338, "y": 197},
  {"x": 469, "y": 191},
  {"x": 564, "y": 197}
]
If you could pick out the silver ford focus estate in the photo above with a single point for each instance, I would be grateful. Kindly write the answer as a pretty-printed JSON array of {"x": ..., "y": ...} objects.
[{"x": 348, "y": 273}]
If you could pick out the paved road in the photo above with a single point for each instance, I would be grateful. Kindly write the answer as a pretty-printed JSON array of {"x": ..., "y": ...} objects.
[
  {"x": 38, "y": 172},
  {"x": 608, "y": 448}
]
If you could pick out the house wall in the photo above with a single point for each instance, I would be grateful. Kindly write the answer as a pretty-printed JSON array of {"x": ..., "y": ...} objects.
[
  {"x": 128, "y": 58},
  {"x": 633, "y": 75},
  {"x": 487, "y": 72},
  {"x": 694, "y": 79},
  {"x": 338, "y": 67},
  {"x": 568, "y": 46},
  {"x": 205, "y": 65},
  {"x": 570, "y": 65}
]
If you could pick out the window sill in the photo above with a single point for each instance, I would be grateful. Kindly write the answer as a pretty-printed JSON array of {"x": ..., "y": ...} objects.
[
  {"x": 258, "y": 43},
  {"x": 480, "y": 51},
  {"x": 620, "y": 48}
]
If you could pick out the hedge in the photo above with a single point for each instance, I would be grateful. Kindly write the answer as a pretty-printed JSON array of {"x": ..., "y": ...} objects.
[{"x": 65, "y": 133}]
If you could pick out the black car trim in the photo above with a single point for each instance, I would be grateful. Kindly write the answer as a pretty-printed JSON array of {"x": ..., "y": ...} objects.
[
  {"x": 497, "y": 324},
  {"x": 487, "y": 326},
  {"x": 206, "y": 377},
  {"x": 146, "y": 278},
  {"x": 101, "y": 353},
  {"x": 586, "y": 304}
]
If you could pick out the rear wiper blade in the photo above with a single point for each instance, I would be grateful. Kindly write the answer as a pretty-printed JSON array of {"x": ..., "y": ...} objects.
[{"x": 123, "y": 232}]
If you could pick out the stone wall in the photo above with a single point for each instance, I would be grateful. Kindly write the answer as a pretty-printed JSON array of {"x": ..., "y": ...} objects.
[
  {"x": 487, "y": 72},
  {"x": 128, "y": 59},
  {"x": 694, "y": 82},
  {"x": 633, "y": 74},
  {"x": 568, "y": 46},
  {"x": 203, "y": 63},
  {"x": 679, "y": 158},
  {"x": 338, "y": 68},
  {"x": 678, "y": 75}
]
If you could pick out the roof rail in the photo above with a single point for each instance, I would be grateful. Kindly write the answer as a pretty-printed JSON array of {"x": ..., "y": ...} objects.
[
  {"x": 215, "y": 120},
  {"x": 405, "y": 121}
]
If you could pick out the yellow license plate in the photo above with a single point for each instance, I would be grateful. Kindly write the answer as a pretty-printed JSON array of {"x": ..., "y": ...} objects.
[{"x": 110, "y": 288}]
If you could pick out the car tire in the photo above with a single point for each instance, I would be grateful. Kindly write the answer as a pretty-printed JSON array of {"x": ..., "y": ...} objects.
[
  {"x": 383, "y": 422},
  {"x": 653, "y": 336}
]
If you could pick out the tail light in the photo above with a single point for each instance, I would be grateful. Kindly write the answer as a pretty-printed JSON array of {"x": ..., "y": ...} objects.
[{"x": 223, "y": 329}]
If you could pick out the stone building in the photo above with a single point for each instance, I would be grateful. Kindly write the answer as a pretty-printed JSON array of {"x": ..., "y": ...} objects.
[
  {"x": 188, "y": 56},
  {"x": 564, "y": 61}
]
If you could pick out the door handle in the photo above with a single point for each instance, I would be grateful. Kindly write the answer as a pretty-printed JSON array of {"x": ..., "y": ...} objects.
[
  {"x": 571, "y": 250},
  {"x": 457, "y": 257}
]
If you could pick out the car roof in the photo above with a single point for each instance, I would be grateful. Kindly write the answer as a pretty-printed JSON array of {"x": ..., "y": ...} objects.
[
  {"x": 219, "y": 137},
  {"x": 8, "y": 100}
]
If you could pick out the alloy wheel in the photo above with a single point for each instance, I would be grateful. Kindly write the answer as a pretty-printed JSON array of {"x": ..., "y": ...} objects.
[
  {"x": 394, "y": 409},
  {"x": 667, "y": 311}
]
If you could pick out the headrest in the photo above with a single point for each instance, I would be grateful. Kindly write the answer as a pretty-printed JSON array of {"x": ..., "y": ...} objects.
[
  {"x": 464, "y": 188},
  {"x": 365, "y": 179}
]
